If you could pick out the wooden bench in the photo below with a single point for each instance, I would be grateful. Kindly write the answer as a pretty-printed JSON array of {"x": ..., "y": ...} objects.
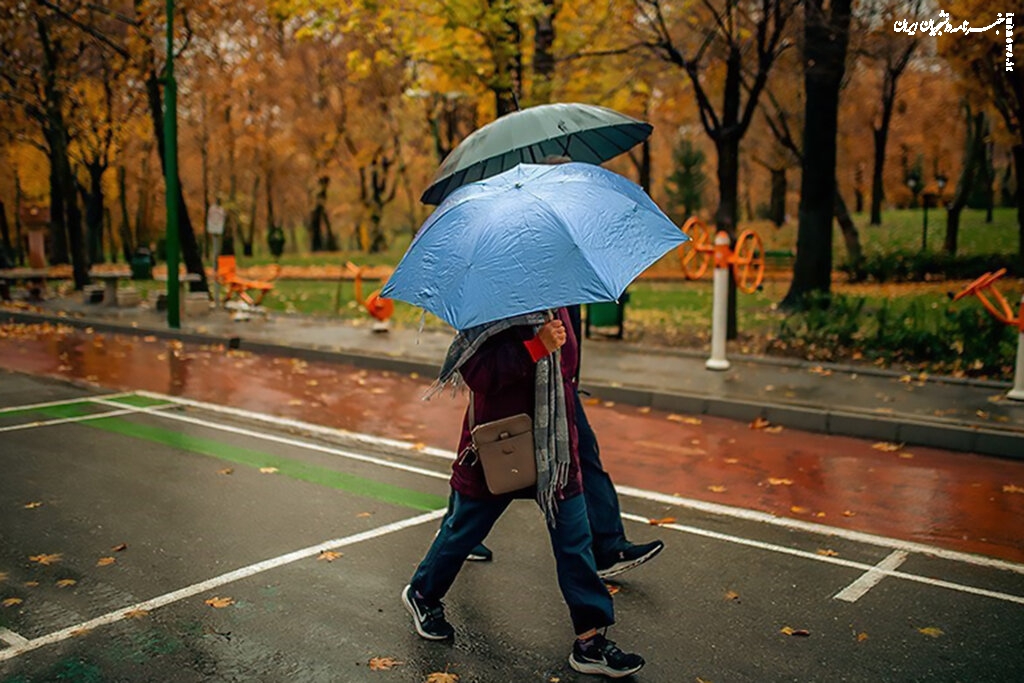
[{"x": 34, "y": 280}]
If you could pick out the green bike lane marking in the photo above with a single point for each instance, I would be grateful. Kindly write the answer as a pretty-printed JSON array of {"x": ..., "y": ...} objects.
[{"x": 313, "y": 474}]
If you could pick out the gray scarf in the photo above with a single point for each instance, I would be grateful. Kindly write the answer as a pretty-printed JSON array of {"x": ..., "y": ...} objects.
[{"x": 550, "y": 425}]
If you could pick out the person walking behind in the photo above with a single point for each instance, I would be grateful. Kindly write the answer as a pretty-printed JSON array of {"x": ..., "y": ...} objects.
[{"x": 525, "y": 364}]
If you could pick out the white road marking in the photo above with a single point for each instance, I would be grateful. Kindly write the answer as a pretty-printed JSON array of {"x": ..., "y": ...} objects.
[
  {"x": 68, "y": 401},
  {"x": 654, "y": 496},
  {"x": 289, "y": 423},
  {"x": 872, "y": 577},
  {"x": 69, "y": 420},
  {"x": 288, "y": 441},
  {"x": 783, "y": 550},
  {"x": 11, "y": 638},
  {"x": 216, "y": 582}
]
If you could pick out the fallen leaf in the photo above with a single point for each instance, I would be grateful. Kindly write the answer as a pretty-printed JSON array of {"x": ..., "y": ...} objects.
[
  {"x": 46, "y": 559},
  {"x": 135, "y": 613},
  {"x": 365, "y": 514},
  {"x": 794, "y": 631},
  {"x": 861, "y": 637},
  {"x": 685, "y": 419},
  {"x": 226, "y": 470},
  {"x": 931, "y": 631},
  {"x": 643, "y": 410},
  {"x": 1010, "y": 488},
  {"x": 773, "y": 481},
  {"x": 848, "y": 513},
  {"x": 731, "y": 461},
  {"x": 119, "y": 547},
  {"x": 663, "y": 520},
  {"x": 887, "y": 447},
  {"x": 31, "y": 584},
  {"x": 328, "y": 555},
  {"x": 612, "y": 588},
  {"x": 383, "y": 663},
  {"x": 296, "y": 402},
  {"x": 906, "y": 379},
  {"x": 11, "y": 602},
  {"x": 609, "y": 404},
  {"x": 419, "y": 446},
  {"x": 592, "y": 401},
  {"x": 732, "y": 595},
  {"x": 64, "y": 583},
  {"x": 3, "y": 576},
  {"x": 905, "y": 455},
  {"x": 717, "y": 488},
  {"x": 219, "y": 602},
  {"x": 441, "y": 677},
  {"x": 79, "y": 632},
  {"x": 800, "y": 510},
  {"x": 827, "y": 552},
  {"x": 760, "y": 423},
  {"x": 774, "y": 429},
  {"x": 105, "y": 561},
  {"x": 268, "y": 470},
  {"x": 34, "y": 504}
]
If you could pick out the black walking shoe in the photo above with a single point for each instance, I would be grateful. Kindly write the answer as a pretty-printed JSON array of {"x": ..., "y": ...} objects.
[
  {"x": 598, "y": 655},
  {"x": 480, "y": 553},
  {"x": 632, "y": 556},
  {"x": 428, "y": 619}
]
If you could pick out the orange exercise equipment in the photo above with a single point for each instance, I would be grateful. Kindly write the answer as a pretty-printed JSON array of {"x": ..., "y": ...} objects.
[
  {"x": 249, "y": 291},
  {"x": 379, "y": 308},
  {"x": 746, "y": 259}
]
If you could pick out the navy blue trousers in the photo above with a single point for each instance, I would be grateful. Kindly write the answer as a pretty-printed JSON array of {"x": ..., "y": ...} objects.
[
  {"x": 468, "y": 522},
  {"x": 602, "y": 501}
]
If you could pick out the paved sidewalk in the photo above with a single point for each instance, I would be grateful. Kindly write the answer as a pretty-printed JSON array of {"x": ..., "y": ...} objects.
[{"x": 950, "y": 413}]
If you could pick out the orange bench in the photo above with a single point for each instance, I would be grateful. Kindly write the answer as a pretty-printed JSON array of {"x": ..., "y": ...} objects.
[{"x": 249, "y": 291}]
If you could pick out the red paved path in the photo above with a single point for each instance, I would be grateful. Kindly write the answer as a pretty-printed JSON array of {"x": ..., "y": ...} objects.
[{"x": 954, "y": 500}]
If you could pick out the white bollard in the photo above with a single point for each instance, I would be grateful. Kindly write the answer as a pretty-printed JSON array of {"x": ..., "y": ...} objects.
[
  {"x": 1017, "y": 392},
  {"x": 720, "y": 304}
]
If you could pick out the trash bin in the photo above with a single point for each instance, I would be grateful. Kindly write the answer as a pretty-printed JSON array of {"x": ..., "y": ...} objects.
[
  {"x": 142, "y": 264},
  {"x": 607, "y": 314}
]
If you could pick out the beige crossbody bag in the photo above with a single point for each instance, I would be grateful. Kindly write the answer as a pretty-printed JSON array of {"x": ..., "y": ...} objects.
[{"x": 505, "y": 450}]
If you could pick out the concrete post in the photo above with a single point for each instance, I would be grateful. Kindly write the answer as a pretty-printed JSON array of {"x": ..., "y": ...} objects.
[
  {"x": 720, "y": 303},
  {"x": 1017, "y": 392}
]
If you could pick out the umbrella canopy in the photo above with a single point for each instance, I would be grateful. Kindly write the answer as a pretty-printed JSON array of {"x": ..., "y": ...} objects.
[
  {"x": 583, "y": 132},
  {"x": 532, "y": 238}
]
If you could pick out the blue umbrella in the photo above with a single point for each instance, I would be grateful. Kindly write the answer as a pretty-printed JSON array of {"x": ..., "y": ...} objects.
[{"x": 532, "y": 238}]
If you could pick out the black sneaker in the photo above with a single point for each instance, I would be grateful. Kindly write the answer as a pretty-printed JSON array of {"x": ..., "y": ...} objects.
[
  {"x": 428, "y": 619},
  {"x": 632, "y": 556},
  {"x": 598, "y": 655},
  {"x": 480, "y": 553}
]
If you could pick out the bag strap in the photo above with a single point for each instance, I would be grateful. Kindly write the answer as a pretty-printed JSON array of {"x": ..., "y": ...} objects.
[{"x": 472, "y": 419}]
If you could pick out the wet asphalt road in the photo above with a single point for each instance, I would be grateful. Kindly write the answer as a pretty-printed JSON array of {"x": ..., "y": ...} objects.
[{"x": 181, "y": 488}]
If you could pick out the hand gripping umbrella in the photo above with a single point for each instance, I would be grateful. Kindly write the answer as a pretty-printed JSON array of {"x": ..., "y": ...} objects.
[
  {"x": 535, "y": 237},
  {"x": 583, "y": 132}
]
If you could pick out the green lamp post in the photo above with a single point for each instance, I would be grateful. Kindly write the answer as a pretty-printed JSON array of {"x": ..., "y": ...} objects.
[{"x": 171, "y": 184}]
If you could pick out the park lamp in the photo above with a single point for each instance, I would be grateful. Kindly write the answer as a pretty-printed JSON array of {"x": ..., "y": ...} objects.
[{"x": 941, "y": 181}]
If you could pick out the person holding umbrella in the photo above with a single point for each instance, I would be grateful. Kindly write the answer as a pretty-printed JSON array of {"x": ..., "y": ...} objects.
[
  {"x": 524, "y": 364},
  {"x": 561, "y": 229}
]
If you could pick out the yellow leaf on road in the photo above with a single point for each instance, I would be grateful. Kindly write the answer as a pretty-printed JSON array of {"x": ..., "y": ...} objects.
[
  {"x": 11, "y": 602},
  {"x": 226, "y": 470},
  {"x": 848, "y": 513},
  {"x": 732, "y": 595},
  {"x": 931, "y": 631},
  {"x": 717, "y": 488},
  {"x": 120, "y": 547},
  {"x": 774, "y": 429},
  {"x": 64, "y": 583},
  {"x": 887, "y": 447},
  {"x": 760, "y": 423},
  {"x": 219, "y": 603},
  {"x": 773, "y": 481},
  {"x": 861, "y": 637},
  {"x": 798, "y": 509},
  {"x": 268, "y": 470},
  {"x": 34, "y": 504},
  {"x": 685, "y": 419},
  {"x": 794, "y": 631},
  {"x": 612, "y": 588},
  {"x": 46, "y": 559},
  {"x": 105, "y": 561},
  {"x": 442, "y": 677},
  {"x": 31, "y": 584},
  {"x": 827, "y": 552},
  {"x": 328, "y": 555},
  {"x": 383, "y": 663},
  {"x": 1010, "y": 488},
  {"x": 135, "y": 613},
  {"x": 663, "y": 520}
]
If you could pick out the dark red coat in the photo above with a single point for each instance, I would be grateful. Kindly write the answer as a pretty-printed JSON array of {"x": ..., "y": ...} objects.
[{"x": 501, "y": 375}]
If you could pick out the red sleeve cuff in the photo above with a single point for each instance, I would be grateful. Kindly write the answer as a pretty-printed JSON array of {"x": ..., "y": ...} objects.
[{"x": 536, "y": 348}]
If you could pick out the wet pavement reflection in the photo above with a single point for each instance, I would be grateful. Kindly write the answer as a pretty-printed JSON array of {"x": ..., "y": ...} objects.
[{"x": 960, "y": 501}]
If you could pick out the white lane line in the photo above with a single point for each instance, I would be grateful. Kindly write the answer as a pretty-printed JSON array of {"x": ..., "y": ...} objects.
[
  {"x": 216, "y": 582},
  {"x": 783, "y": 550},
  {"x": 654, "y": 496},
  {"x": 11, "y": 638},
  {"x": 289, "y": 423},
  {"x": 872, "y": 577},
  {"x": 288, "y": 441},
  {"x": 811, "y": 527},
  {"x": 69, "y": 401},
  {"x": 70, "y": 420}
]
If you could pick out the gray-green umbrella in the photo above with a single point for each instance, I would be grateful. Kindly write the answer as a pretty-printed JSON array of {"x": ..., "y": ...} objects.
[{"x": 583, "y": 132}]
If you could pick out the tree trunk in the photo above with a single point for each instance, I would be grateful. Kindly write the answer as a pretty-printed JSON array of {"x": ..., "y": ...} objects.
[
  {"x": 316, "y": 216},
  {"x": 186, "y": 235},
  {"x": 250, "y": 235},
  {"x": 778, "y": 197},
  {"x": 20, "y": 249},
  {"x": 5, "y": 231},
  {"x": 58, "y": 215},
  {"x": 127, "y": 242},
  {"x": 1018, "y": 167},
  {"x": 825, "y": 43},
  {"x": 878, "y": 174},
  {"x": 94, "y": 212},
  {"x": 974, "y": 150},
  {"x": 543, "y": 56},
  {"x": 855, "y": 254}
]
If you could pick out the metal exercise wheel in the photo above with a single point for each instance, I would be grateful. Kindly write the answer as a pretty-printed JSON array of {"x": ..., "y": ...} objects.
[
  {"x": 695, "y": 255},
  {"x": 748, "y": 262}
]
